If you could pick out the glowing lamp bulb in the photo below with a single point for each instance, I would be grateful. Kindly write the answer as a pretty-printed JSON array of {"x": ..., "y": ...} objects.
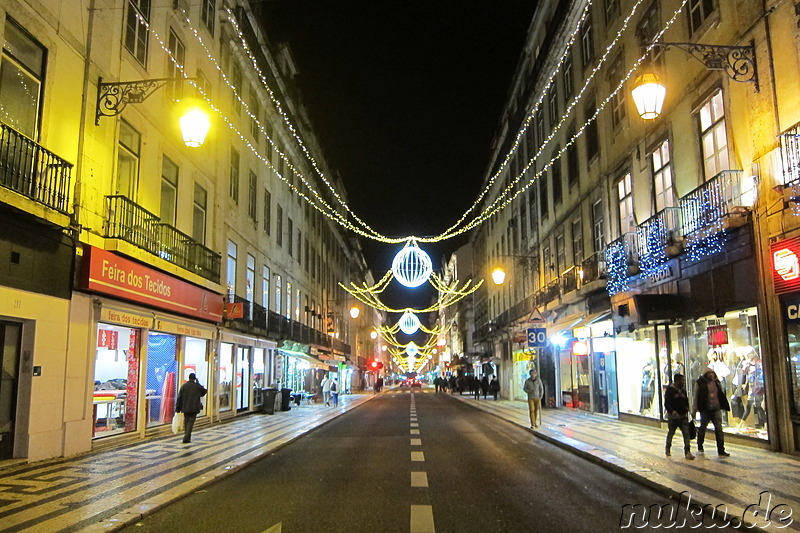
[
  {"x": 498, "y": 276},
  {"x": 354, "y": 312},
  {"x": 648, "y": 94},
  {"x": 194, "y": 127}
]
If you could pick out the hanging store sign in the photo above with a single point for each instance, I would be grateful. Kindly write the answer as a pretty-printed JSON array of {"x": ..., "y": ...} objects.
[
  {"x": 108, "y": 273},
  {"x": 786, "y": 265},
  {"x": 107, "y": 338},
  {"x": 717, "y": 335}
]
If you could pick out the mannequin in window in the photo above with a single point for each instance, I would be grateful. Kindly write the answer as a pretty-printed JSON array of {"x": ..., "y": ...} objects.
[
  {"x": 754, "y": 385},
  {"x": 648, "y": 386}
]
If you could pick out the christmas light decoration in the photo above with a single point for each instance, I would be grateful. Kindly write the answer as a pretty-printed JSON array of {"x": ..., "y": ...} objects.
[
  {"x": 412, "y": 266},
  {"x": 617, "y": 265},
  {"x": 706, "y": 213},
  {"x": 653, "y": 257},
  {"x": 409, "y": 323}
]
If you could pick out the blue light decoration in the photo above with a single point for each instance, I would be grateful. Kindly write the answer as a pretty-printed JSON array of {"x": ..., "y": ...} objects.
[
  {"x": 653, "y": 258},
  {"x": 617, "y": 266},
  {"x": 708, "y": 235}
]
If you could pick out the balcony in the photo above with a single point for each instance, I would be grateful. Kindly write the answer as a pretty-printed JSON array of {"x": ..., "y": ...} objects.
[
  {"x": 132, "y": 223},
  {"x": 659, "y": 240},
  {"x": 569, "y": 280},
  {"x": 725, "y": 195},
  {"x": 281, "y": 328},
  {"x": 593, "y": 268},
  {"x": 34, "y": 172}
]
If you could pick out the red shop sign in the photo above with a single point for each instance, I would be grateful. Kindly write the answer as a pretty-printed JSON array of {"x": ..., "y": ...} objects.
[
  {"x": 785, "y": 256},
  {"x": 111, "y": 274},
  {"x": 107, "y": 338},
  {"x": 717, "y": 335}
]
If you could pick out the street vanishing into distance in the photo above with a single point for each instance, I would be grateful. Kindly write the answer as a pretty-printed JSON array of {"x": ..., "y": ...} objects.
[{"x": 417, "y": 461}]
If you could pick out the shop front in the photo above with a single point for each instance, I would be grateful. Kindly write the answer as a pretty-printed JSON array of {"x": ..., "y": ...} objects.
[
  {"x": 142, "y": 350},
  {"x": 245, "y": 368},
  {"x": 301, "y": 371}
]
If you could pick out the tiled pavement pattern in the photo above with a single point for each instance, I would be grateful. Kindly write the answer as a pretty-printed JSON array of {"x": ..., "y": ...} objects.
[
  {"x": 102, "y": 491},
  {"x": 638, "y": 451}
]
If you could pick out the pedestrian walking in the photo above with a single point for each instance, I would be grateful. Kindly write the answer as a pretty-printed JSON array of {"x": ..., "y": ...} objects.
[
  {"x": 188, "y": 403},
  {"x": 494, "y": 387},
  {"x": 485, "y": 386},
  {"x": 326, "y": 389},
  {"x": 709, "y": 400},
  {"x": 534, "y": 388},
  {"x": 335, "y": 392},
  {"x": 676, "y": 403},
  {"x": 475, "y": 387},
  {"x": 437, "y": 384}
]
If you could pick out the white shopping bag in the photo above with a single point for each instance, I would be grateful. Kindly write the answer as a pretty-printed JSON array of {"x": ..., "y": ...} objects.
[{"x": 177, "y": 423}]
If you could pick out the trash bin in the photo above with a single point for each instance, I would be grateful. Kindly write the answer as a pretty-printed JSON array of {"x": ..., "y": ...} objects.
[
  {"x": 286, "y": 399},
  {"x": 268, "y": 396}
]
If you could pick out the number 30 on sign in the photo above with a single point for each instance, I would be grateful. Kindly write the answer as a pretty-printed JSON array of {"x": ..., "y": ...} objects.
[{"x": 537, "y": 337}]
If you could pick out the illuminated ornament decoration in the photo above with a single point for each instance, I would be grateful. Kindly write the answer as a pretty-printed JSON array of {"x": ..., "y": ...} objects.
[
  {"x": 409, "y": 323},
  {"x": 617, "y": 265},
  {"x": 653, "y": 258},
  {"x": 412, "y": 349},
  {"x": 412, "y": 266}
]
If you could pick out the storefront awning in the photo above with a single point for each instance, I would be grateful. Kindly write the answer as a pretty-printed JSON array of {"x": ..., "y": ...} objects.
[
  {"x": 313, "y": 361},
  {"x": 572, "y": 322}
]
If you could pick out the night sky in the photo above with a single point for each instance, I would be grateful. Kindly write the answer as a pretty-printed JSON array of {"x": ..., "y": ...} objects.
[{"x": 405, "y": 98}]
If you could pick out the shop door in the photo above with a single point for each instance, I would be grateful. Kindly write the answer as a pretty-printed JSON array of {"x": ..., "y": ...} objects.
[
  {"x": 242, "y": 378},
  {"x": 10, "y": 335}
]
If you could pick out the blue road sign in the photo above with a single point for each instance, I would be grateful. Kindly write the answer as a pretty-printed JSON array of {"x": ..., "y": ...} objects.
[{"x": 537, "y": 337}]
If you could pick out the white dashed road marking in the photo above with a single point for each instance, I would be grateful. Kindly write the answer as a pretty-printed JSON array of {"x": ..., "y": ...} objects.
[
  {"x": 414, "y": 432},
  {"x": 419, "y": 479},
  {"x": 416, "y": 442},
  {"x": 418, "y": 456},
  {"x": 422, "y": 519}
]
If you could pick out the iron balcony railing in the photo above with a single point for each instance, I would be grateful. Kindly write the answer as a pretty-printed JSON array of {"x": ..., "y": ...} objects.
[
  {"x": 569, "y": 280},
  {"x": 132, "y": 223},
  {"x": 593, "y": 268},
  {"x": 790, "y": 153},
  {"x": 725, "y": 194},
  {"x": 33, "y": 171}
]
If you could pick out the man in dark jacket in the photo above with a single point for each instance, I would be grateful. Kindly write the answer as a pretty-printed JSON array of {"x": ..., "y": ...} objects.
[
  {"x": 676, "y": 404},
  {"x": 189, "y": 404},
  {"x": 710, "y": 401}
]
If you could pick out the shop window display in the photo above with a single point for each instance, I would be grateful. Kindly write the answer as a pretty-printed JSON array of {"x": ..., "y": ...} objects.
[
  {"x": 637, "y": 372},
  {"x": 116, "y": 374},
  {"x": 161, "y": 380},
  {"x": 793, "y": 338},
  {"x": 195, "y": 361},
  {"x": 224, "y": 388},
  {"x": 730, "y": 346},
  {"x": 259, "y": 369}
]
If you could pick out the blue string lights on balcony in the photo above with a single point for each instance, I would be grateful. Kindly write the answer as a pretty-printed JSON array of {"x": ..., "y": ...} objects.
[
  {"x": 617, "y": 265},
  {"x": 708, "y": 234},
  {"x": 653, "y": 259}
]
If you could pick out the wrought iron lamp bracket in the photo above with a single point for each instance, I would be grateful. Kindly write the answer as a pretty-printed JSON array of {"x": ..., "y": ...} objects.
[
  {"x": 113, "y": 98},
  {"x": 738, "y": 62}
]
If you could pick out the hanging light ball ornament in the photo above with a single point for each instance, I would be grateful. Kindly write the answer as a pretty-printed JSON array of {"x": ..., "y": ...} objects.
[
  {"x": 412, "y": 266},
  {"x": 412, "y": 350},
  {"x": 408, "y": 323}
]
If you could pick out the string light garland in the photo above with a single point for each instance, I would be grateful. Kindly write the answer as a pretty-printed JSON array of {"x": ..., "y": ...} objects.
[
  {"x": 617, "y": 266},
  {"x": 369, "y": 233},
  {"x": 707, "y": 237},
  {"x": 653, "y": 258}
]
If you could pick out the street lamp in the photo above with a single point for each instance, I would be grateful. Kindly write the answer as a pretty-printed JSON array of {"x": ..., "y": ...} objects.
[
  {"x": 114, "y": 97},
  {"x": 738, "y": 62}
]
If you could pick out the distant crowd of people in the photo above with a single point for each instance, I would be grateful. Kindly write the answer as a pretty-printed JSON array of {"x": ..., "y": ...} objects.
[{"x": 469, "y": 384}]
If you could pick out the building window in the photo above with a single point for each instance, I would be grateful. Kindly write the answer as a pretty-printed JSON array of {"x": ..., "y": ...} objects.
[
  {"x": 230, "y": 271},
  {"x": 203, "y": 85},
  {"x": 265, "y": 287},
  {"x": 288, "y": 313},
  {"x": 128, "y": 161},
  {"x": 612, "y": 10},
  {"x": 568, "y": 81},
  {"x": 587, "y": 42},
  {"x": 208, "y": 11},
  {"x": 532, "y": 208},
  {"x": 233, "y": 187},
  {"x": 619, "y": 100},
  {"x": 547, "y": 262},
  {"x": 662, "y": 177},
  {"x": 236, "y": 82},
  {"x": 267, "y": 212},
  {"x": 250, "y": 279},
  {"x": 21, "y": 77},
  {"x": 308, "y": 253},
  {"x": 625, "y": 198},
  {"x": 699, "y": 11},
  {"x": 278, "y": 293},
  {"x": 573, "y": 172},
  {"x": 552, "y": 105},
  {"x": 136, "y": 29},
  {"x": 577, "y": 241},
  {"x": 175, "y": 65},
  {"x": 169, "y": 190},
  {"x": 561, "y": 252},
  {"x": 290, "y": 234},
  {"x": 592, "y": 135},
  {"x": 251, "y": 195},
  {"x": 279, "y": 227},
  {"x": 199, "y": 214},
  {"x": 558, "y": 188},
  {"x": 598, "y": 235},
  {"x": 646, "y": 32},
  {"x": 530, "y": 143},
  {"x": 544, "y": 194},
  {"x": 523, "y": 222},
  {"x": 255, "y": 111},
  {"x": 299, "y": 247},
  {"x": 713, "y": 136}
]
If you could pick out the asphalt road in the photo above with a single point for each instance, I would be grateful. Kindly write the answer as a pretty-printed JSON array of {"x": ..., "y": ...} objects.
[{"x": 355, "y": 474}]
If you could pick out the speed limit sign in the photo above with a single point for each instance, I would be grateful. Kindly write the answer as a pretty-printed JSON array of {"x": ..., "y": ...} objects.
[{"x": 537, "y": 337}]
